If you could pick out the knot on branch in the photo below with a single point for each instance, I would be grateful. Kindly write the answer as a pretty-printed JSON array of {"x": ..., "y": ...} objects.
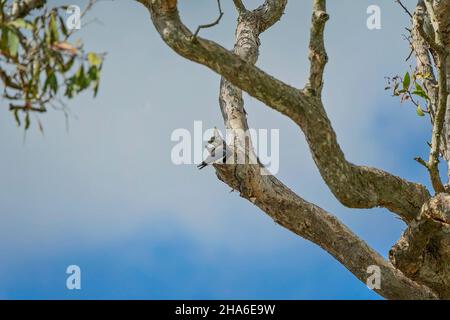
[
  {"x": 423, "y": 251},
  {"x": 321, "y": 16}
]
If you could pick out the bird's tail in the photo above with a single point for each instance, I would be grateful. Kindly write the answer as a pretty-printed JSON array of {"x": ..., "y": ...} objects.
[{"x": 202, "y": 165}]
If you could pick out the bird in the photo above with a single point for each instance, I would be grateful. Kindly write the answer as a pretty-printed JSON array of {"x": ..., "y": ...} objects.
[{"x": 218, "y": 154}]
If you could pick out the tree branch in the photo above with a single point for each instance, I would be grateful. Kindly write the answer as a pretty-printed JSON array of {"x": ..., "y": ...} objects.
[
  {"x": 318, "y": 226},
  {"x": 239, "y": 6},
  {"x": 354, "y": 186},
  {"x": 285, "y": 207},
  {"x": 423, "y": 40},
  {"x": 317, "y": 53},
  {"x": 422, "y": 253},
  {"x": 265, "y": 191},
  {"x": 404, "y": 7}
]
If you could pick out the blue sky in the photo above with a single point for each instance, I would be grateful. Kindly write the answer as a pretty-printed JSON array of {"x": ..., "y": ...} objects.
[{"x": 105, "y": 195}]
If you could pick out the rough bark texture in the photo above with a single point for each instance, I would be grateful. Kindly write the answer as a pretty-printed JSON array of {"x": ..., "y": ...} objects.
[
  {"x": 423, "y": 252},
  {"x": 430, "y": 42},
  {"x": 355, "y": 186}
]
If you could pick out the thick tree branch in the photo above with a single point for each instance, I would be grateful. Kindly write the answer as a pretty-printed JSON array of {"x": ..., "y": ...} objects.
[
  {"x": 315, "y": 224},
  {"x": 355, "y": 186},
  {"x": 284, "y": 206},
  {"x": 423, "y": 252},
  {"x": 440, "y": 13},
  {"x": 439, "y": 43},
  {"x": 438, "y": 126},
  {"x": 425, "y": 39},
  {"x": 317, "y": 53},
  {"x": 239, "y": 6}
]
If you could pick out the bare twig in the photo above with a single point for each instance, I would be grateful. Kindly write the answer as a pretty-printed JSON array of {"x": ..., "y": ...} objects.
[
  {"x": 212, "y": 24},
  {"x": 421, "y": 162},
  {"x": 404, "y": 7}
]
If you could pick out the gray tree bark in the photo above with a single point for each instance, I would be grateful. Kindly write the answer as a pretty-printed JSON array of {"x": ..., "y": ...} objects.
[{"x": 419, "y": 261}]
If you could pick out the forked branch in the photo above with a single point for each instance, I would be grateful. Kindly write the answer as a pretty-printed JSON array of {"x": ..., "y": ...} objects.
[
  {"x": 268, "y": 193},
  {"x": 355, "y": 186}
]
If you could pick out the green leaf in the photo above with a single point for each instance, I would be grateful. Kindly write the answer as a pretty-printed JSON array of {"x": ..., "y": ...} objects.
[
  {"x": 82, "y": 81},
  {"x": 406, "y": 81},
  {"x": 21, "y": 23},
  {"x": 63, "y": 27},
  {"x": 93, "y": 73},
  {"x": 53, "y": 27},
  {"x": 16, "y": 116},
  {"x": 13, "y": 43},
  {"x": 94, "y": 59},
  {"x": 420, "y": 111},
  {"x": 96, "y": 87},
  {"x": 51, "y": 82},
  {"x": 68, "y": 65},
  {"x": 420, "y": 92},
  {"x": 27, "y": 121},
  {"x": 4, "y": 40},
  {"x": 70, "y": 87},
  {"x": 36, "y": 69}
]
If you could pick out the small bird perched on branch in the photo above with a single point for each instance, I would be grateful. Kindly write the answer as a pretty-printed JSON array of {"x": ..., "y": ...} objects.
[{"x": 218, "y": 153}]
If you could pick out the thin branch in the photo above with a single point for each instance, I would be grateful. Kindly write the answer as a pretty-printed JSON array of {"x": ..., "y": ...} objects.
[
  {"x": 212, "y": 24},
  {"x": 26, "y": 108},
  {"x": 8, "y": 82},
  {"x": 421, "y": 162},
  {"x": 409, "y": 55},
  {"x": 404, "y": 7}
]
